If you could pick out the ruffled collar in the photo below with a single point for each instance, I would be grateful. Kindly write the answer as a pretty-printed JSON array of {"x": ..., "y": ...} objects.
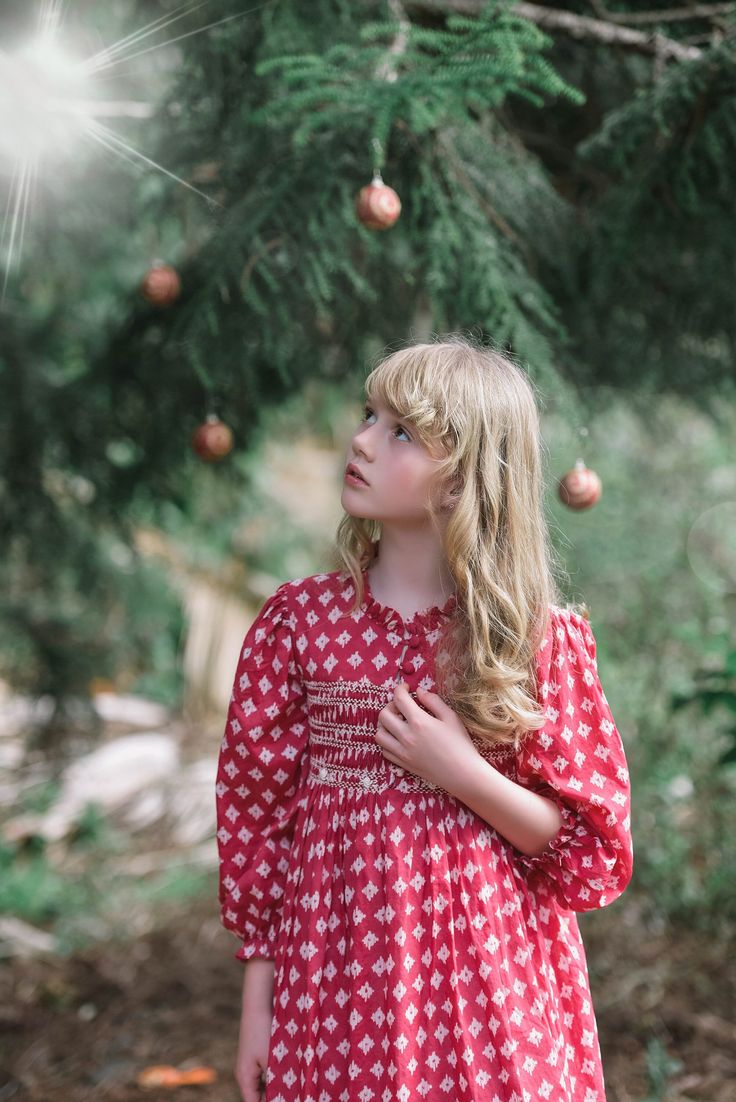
[{"x": 422, "y": 621}]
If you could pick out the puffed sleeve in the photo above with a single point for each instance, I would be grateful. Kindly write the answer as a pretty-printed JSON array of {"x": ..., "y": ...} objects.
[
  {"x": 577, "y": 759},
  {"x": 257, "y": 788}
]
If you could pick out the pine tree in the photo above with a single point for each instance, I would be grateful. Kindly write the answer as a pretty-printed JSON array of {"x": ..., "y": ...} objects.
[{"x": 566, "y": 176}]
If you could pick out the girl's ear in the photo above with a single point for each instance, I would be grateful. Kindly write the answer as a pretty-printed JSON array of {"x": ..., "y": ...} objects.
[{"x": 452, "y": 494}]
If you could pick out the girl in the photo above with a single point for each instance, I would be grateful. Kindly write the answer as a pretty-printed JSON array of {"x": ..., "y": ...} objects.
[{"x": 420, "y": 780}]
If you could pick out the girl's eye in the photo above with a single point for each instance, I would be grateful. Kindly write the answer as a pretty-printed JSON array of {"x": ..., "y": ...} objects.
[{"x": 368, "y": 412}]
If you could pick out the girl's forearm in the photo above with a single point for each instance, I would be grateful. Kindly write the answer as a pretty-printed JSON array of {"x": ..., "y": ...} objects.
[
  {"x": 257, "y": 985},
  {"x": 524, "y": 818}
]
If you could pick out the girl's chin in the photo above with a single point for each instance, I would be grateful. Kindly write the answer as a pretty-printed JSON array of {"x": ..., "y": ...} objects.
[{"x": 359, "y": 514}]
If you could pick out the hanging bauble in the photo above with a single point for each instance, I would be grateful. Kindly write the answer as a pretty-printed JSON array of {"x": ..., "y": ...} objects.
[
  {"x": 161, "y": 285},
  {"x": 579, "y": 488},
  {"x": 212, "y": 440},
  {"x": 377, "y": 205}
]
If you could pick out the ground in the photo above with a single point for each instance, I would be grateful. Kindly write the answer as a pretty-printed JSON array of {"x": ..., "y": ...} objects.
[{"x": 83, "y": 1027}]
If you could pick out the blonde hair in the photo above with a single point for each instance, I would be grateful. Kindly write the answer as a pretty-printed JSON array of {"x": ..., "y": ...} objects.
[{"x": 477, "y": 408}]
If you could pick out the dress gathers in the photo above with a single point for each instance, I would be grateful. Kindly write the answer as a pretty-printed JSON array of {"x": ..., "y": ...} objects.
[{"x": 418, "y": 955}]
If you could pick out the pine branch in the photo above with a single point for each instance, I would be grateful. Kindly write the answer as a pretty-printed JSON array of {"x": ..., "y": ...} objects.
[{"x": 577, "y": 26}]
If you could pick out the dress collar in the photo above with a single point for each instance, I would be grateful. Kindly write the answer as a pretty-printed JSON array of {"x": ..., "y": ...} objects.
[{"x": 422, "y": 621}]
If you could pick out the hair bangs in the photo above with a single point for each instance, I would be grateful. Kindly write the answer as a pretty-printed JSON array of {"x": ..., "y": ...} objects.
[{"x": 410, "y": 383}]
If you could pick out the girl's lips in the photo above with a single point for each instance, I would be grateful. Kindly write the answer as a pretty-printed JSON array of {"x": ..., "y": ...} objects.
[{"x": 353, "y": 475}]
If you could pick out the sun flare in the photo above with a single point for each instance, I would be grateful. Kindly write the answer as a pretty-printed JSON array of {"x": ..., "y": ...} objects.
[{"x": 51, "y": 103}]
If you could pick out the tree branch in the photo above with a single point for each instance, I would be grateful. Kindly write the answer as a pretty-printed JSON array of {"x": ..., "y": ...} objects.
[
  {"x": 387, "y": 68},
  {"x": 668, "y": 15},
  {"x": 256, "y": 256},
  {"x": 498, "y": 221},
  {"x": 577, "y": 26}
]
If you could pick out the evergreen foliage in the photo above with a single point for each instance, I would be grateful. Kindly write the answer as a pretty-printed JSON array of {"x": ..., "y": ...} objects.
[
  {"x": 437, "y": 77},
  {"x": 569, "y": 198}
]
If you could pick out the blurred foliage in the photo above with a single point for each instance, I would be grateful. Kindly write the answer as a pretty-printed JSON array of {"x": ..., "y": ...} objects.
[
  {"x": 568, "y": 199},
  {"x": 716, "y": 689},
  {"x": 658, "y": 571},
  {"x": 100, "y": 899},
  {"x": 92, "y": 608},
  {"x": 587, "y": 229},
  {"x": 34, "y": 891},
  {"x": 661, "y": 1067}
]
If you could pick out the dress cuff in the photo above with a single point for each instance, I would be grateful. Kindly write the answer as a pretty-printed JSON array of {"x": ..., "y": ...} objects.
[
  {"x": 555, "y": 850},
  {"x": 261, "y": 944},
  {"x": 263, "y": 948}
]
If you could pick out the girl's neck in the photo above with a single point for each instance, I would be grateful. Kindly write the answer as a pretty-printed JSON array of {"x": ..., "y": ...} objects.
[{"x": 410, "y": 572}]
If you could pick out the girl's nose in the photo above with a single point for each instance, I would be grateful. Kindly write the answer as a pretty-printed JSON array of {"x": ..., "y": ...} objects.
[{"x": 362, "y": 444}]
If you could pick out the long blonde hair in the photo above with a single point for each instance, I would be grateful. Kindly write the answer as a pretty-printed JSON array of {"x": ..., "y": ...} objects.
[{"x": 478, "y": 409}]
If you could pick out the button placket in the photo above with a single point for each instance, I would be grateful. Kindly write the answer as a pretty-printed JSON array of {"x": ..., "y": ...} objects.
[
  {"x": 411, "y": 643},
  {"x": 407, "y": 644},
  {"x": 401, "y": 663}
]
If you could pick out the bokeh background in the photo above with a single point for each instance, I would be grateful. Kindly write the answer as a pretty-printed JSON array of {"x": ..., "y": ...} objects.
[{"x": 566, "y": 174}]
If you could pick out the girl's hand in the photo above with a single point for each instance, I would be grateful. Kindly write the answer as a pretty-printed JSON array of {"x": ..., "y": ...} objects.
[
  {"x": 252, "y": 1055},
  {"x": 434, "y": 746}
]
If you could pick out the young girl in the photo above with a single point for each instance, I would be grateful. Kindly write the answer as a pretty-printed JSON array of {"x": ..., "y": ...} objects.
[{"x": 420, "y": 780}]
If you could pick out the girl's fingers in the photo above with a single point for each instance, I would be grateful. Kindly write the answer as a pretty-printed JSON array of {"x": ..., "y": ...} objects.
[
  {"x": 250, "y": 1088},
  {"x": 389, "y": 743},
  {"x": 392, "y": 722},
  {"x": 393, "y": 710}
]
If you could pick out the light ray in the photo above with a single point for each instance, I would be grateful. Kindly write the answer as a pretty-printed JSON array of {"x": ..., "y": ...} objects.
[
  {"x": 50, "y": 16},
  {"x": 113, "y": 141},
  {"x": 145, "y": 31},
  {"x": 179, "y": 38},
  {"x": 18, "y": 198},
  {"x": 12, "y": 201},
  {"x": 48, "y": 100},
  {"x": 94, "y": 63}
]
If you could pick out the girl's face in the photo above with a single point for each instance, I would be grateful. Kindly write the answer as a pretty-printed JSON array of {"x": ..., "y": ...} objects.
[{"x": 399, "y": 471}]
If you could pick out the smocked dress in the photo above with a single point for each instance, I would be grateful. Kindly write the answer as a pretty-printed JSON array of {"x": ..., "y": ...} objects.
[{"x": 417, "y": 954}]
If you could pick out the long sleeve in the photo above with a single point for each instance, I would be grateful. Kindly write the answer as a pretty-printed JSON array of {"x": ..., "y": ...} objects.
[
  {"x": 262, "y": 754},
  {"x": 577, "y": 759}
]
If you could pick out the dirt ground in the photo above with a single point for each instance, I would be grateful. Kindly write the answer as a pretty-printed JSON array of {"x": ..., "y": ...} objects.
[{"x": 83, "y": 1027}]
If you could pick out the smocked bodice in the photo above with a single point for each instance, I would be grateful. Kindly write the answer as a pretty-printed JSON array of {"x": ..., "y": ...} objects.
[{"x": 382, "y": 648}]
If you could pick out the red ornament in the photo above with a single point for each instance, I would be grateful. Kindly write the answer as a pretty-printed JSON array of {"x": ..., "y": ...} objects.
[
  {"x": 579, "y": 488},
  {"x": 161, "y": 285},
  {"x": 212, "y": 440},
  {"x": 377, "y": 205}
]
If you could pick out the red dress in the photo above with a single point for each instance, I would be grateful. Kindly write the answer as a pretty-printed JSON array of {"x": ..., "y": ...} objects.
[{"x": 418, "y": 954}]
